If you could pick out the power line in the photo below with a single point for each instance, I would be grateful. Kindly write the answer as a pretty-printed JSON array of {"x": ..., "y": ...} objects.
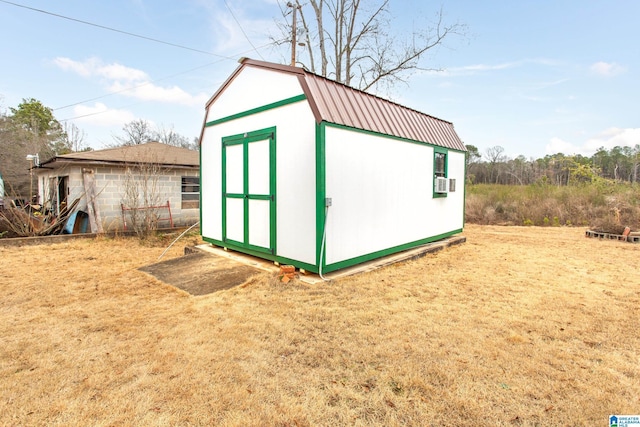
[
  {"x": 134, "y": 87},
  {"x": 143, "y": 84},
  {"x": 104, "y": 27},
  {"x": 223, "y": 57},
  {"x": 242, "y": 29},
  {"x": 98, "y": 112}
]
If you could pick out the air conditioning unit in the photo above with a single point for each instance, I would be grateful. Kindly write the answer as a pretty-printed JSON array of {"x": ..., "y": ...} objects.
[
  {"x": 442, "y": 185},
  {"x": 452, "y": 185}
]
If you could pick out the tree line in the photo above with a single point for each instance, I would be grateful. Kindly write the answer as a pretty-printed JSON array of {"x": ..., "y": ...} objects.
[{"x": 620, "y": 164}]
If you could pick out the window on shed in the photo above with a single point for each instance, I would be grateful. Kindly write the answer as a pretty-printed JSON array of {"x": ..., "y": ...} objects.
[
  {"x": 190, "y": 192},
  {"x": 440, "y": 167},
  {"x": 440, "y": 181}
]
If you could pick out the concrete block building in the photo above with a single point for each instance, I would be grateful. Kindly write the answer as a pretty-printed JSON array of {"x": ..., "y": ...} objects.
[{"x": 105, "y": 180}]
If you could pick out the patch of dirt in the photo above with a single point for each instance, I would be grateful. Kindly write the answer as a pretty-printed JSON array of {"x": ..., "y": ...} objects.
[{"x": 200, "y": 273}]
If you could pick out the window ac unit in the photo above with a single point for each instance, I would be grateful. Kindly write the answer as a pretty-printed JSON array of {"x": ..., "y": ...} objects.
[{"x": 442, "y": 185}]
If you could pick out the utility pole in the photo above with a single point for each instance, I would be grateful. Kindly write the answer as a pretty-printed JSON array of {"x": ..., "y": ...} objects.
[{"x": 295, "y": 8}]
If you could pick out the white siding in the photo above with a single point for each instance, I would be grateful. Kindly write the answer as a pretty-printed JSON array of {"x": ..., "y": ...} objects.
[
  {"x": 296, "y": 184},
  {"x": 295, "y": 170},
  {"x": 253, "y": 88},
  {"x": 211, "y": 184},
  {"x": 382, "y": 194}
]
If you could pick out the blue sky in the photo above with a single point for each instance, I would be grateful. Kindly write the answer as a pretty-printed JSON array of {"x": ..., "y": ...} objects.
[{"x": 535, "y": 77}]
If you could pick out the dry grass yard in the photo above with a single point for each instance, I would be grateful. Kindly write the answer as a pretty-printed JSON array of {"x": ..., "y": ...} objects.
[{"x": 519, "y": 326}]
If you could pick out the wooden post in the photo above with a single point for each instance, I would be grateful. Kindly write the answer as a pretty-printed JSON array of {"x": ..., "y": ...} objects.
[
  {"x": 293, "y": 33},
  {"x": 89, "y": 181}
]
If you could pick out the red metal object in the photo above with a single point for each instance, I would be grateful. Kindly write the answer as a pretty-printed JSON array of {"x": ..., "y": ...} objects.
[{"x": 169, "y": 216}]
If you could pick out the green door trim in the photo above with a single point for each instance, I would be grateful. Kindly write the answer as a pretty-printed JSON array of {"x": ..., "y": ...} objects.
[
  {"x": 245, "y": 139},
  {"x": 256, "y": 110},
  {"x": 321, "y": 193},
  {"x": 389, "y": 251}
]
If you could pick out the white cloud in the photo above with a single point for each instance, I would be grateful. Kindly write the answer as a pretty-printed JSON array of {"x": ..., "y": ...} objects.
[
  {"x": 484, "y": 68},
  {"x": 545, "y": 85},
  {"x": 149, "y": 92},
  {"x": 615, "y": 137},
  {"x": 557, "y": 145},
  {"x": 94, "y": 67},
  {"x": 607, "y": 69},
  {"x": 100, "y": 115},
  {"x": 230, "y": 36},
  {"x": 488, "y": 67},
  {"x": 473, "y": 69},
  {"x": 609, "y": 138},
  {"x": 120, "y": 72},
  {"x": 66, "y": 64},
  {"x": 129, "y": 82}
]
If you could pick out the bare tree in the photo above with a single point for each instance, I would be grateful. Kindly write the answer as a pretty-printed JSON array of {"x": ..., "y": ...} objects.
[
  {"x": 141, "y": 195},
  {"x": 74, "y": 137},
  {"x": 136, "y": 132},
  {"x": 170, "y": 137},
  {"x": 140, "y": 131},
  {"x": 495, "y": 158},
  {"x": 349, "y": 42}
]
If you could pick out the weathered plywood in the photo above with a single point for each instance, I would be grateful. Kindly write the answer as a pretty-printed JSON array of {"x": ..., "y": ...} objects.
[{"x": 201, "y": 273}]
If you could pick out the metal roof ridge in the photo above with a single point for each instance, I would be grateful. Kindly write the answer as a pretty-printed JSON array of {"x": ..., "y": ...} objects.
[
  {"x": 347, "y": 87},
  {"x": 301, "y": 70},
  {"x": 272, "y": 65},
  {"x": 339, "y": 103}
]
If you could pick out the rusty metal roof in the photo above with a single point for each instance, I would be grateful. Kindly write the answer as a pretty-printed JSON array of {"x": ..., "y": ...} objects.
[{"x": 337, "y": 103}]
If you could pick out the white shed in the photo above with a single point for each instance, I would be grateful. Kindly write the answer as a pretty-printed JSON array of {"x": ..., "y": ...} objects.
[{"x": 302, "y": 170}]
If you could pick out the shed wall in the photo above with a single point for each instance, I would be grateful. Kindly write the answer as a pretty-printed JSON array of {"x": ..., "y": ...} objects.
[
  {"x": 382, "y": 194},
  {"x": 295, "y": 173},
  {"x": 253, "y": 88}
]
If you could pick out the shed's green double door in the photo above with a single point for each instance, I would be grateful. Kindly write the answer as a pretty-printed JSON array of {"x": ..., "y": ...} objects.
[{"x": 248, "y": 190}]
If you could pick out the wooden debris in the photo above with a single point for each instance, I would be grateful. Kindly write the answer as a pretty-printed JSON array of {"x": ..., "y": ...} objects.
[
  {"x": 626, "y": 236},
  {"x": 29, "y": 221}
]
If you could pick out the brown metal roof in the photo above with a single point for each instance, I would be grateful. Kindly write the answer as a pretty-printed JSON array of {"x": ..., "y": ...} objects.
[
  {"x": 151, "y": 152},
  {"x": 336, "y": 103}
]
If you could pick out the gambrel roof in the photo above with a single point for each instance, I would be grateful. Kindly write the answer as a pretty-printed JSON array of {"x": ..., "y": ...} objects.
[{"x": 337, "y": 103}]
